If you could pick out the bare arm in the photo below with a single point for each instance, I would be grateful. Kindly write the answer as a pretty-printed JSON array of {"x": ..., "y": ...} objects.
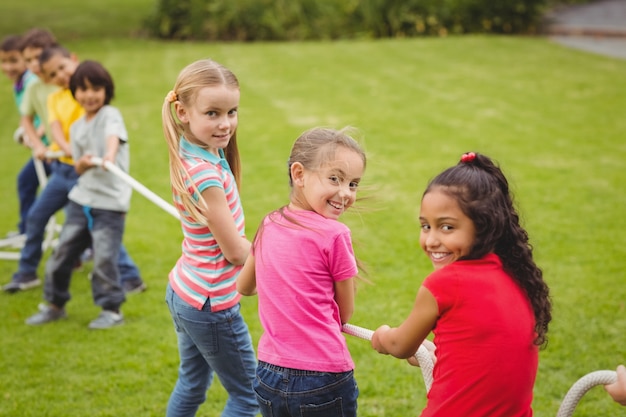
[
  {"x": 59, "y": 137},
  {"x": 34, "y": 137},
  {"x": 344, "y": 296},
  {"x": 403, "y": 341},
  {"x": 246, "y": 281},
  {"x": 234, "y": 247},
  {"x": 112, "y": 145},
  {"x": 617, "y": 390}
]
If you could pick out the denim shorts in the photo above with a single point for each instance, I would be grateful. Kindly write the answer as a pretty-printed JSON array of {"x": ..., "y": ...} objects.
[{"x": 292, "y": 392}]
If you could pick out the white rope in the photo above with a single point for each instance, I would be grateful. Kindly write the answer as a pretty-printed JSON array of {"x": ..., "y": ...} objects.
[
  {"x": 137, "y": 186},
  {"x": 422, "y": 355},
  {"x": 580, "y": 387}
]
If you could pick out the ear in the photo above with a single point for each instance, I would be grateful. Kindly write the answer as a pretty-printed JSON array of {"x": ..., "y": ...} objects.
[
  {"x": 297, "y": 174},
  {"x": 181, "y": 112}
]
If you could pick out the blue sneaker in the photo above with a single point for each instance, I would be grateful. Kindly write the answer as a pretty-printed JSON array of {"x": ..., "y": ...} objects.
[
  {"x": 107, "y": 319},
  {"x": 21, "y": 282},
  {"x": 46, "y": 314}
]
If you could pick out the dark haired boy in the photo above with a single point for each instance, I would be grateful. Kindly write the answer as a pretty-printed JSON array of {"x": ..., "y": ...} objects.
[
  {"x": 57, "y": 66},
  {"x": 13, "y": 66},
  {"x": 96, "y": 211}
]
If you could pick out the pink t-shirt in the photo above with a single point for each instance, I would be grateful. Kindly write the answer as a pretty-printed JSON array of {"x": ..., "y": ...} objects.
[
  {"x": 296, "y": 268},
  {"x": 486, "y": 359}
]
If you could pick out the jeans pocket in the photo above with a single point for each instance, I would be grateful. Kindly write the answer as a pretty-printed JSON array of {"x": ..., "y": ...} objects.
[
  {"x": 333, "y": 408},
  {"x": 265, "y": 406},
  {"x": 203, "y": 333}
]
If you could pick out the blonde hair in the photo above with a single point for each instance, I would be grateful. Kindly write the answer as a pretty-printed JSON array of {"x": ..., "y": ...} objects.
[{"x": 192, "y": 78}]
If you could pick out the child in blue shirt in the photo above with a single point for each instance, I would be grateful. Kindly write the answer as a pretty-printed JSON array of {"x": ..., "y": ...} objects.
[{"x": 14, "y": 67}]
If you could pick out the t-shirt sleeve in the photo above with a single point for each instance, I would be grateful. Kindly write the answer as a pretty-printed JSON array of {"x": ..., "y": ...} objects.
[
  {"x": 443, "y": 285},
  {"x": 205, "y": 175},
  {"x": 26, "y": 106},
  {"x": 341, "y": 257},
  {"x": 114, "y": 125}
]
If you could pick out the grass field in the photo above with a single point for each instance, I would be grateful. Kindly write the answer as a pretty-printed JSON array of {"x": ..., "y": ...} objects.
[{"x": 553, "y": 117}]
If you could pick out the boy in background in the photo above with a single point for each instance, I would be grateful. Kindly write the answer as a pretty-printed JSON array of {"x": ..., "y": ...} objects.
[
  {"x": 35, "y": 101},
  {"x": 14, "y": 67},
  {"x": 97, "y": 205},
  {"x": 57, "y": 66}
]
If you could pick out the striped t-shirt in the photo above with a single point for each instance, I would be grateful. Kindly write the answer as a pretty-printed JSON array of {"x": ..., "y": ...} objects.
[{"x": 202, "y": 272}]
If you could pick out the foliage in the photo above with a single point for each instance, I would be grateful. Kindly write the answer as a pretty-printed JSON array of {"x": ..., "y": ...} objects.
[{"x": 255, "y": 20}]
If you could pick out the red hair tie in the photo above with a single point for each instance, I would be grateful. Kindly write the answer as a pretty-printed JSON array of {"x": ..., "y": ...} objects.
[{"x": 468, "y": 157}]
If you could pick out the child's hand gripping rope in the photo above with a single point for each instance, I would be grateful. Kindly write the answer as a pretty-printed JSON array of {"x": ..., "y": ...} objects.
[
  {"x": 137, "y": 186},
  {"x": 423, "y": 356}
]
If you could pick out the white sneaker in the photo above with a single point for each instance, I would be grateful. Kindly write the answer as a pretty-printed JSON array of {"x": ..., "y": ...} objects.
[{"x": 107, "y": 319}]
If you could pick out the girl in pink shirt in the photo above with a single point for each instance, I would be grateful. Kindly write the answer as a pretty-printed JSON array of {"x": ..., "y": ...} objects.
[
  {"x": 303, "y": 268},
  {"x": 486, "y": 302}
]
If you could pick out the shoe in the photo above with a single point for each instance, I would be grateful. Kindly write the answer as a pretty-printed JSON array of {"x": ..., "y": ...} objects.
[
  {"x": 45, "y": 315},
  {"x": 107, "y": 319},
  {"x": 133, "y": 286},
  {"x": 21, "y": 283},
  {"x": 13, "y": 240},
  {"x": 87, "y": 255}
]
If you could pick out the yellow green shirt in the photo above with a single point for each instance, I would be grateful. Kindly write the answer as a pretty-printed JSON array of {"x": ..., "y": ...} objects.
[{"x": 63, "y": 108}]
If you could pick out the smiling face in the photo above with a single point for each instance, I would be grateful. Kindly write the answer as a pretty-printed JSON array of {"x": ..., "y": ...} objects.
[
  {"x": 59, "y": 69},
  {"x": 31, "y": 58},
  {"x": 331, "y": 189},
  {"x": 447, "y": 234},
  {"x": 90, "y": 97},
  {"x": 212, "y": 118},
  {"x": 12, "y": 64}
]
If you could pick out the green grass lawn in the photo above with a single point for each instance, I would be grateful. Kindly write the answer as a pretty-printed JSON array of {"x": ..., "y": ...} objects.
[{"x": 553, "y": 117}]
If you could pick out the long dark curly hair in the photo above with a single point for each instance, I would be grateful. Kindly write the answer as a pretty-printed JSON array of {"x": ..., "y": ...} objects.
[{"x": 482, "y": 192}]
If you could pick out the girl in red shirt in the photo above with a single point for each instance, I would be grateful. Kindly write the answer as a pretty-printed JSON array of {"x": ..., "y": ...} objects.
[{"x": 486, "y": 302}]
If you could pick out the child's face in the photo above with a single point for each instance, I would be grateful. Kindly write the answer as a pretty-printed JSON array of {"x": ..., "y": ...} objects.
[
  {"x": 330, "y": 190},
  {"x": 12, "y": 64},
  {"x": 59, "y": 69},
  {"x": 31, "y": 59},
  {"x": 91, "y": 98},
  {"x": 212, "y": 119},
  {"x": 447, "y": 234}
]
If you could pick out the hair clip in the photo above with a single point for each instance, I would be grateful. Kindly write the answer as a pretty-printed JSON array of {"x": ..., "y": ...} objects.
[
  {"x": 468, "y": 157},
  {"x": 171, "y": 97}
]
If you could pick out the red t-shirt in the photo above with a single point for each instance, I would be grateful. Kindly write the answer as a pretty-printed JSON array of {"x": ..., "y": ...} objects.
[{"x": 486, "y": 359}]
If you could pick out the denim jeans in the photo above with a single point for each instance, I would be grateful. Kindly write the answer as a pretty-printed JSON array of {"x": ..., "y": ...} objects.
[
  {"x": 292, "y": 392},
  {"x": 103, "y": 230},
  {"x": 27, "y": 186},
  {"x": 52, "y": 199},
  {"x": 208, "y": 343}
]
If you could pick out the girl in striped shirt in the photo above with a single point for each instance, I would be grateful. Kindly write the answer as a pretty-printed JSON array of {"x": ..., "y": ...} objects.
[{"x": 200, "y": 127}]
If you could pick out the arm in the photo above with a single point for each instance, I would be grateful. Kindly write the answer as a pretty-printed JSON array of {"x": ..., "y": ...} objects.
[
  {"x": 34, "y": 137},
  {"x": 344, "y": 296},
  {"x": 83, "y": 164},
  {"x": 617, "y": 390},
  {"x": 234, "y": 247},
  {"x": 113, "y": 144},
  {"x": 403, "y": 341},
  {"x": 246, "y": 281},
  {"x": 59, "y": 137}
]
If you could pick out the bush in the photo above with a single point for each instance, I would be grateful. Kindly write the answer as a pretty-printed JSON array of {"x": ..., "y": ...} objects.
[{"x": 263, "y": 20}]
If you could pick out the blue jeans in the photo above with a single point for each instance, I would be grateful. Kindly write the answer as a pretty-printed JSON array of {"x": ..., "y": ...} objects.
[
  {"x": 27, "y": 186},
  {"x": 292, "y": 392},
  {"x": 85, "y": 227},
  {"x": 52, "y": 199},
  {"x": 211, "y": 343}
]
